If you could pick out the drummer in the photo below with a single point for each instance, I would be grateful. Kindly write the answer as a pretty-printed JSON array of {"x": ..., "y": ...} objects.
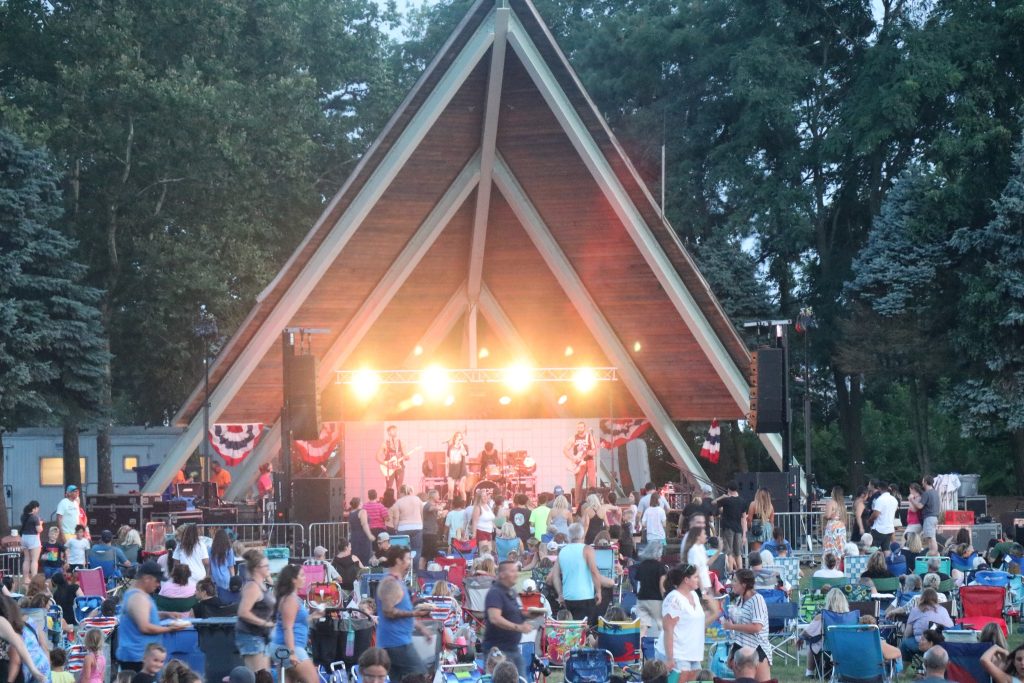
[{"x": 489, "y": 460}]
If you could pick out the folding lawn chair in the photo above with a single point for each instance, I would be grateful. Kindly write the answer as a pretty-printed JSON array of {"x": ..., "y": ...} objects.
[
  {"x": 993, "y": 578},
  {"x": 476, "y": 593},
  {"x": 886, "y": 585},
  {"x": 455, "y": 567},
  {"x": 313, "y": 574},
  {"x": 465, "y": 550},
  {"x": 782, "y": 627},
  {"x": 589, "y": 666},
  {"x": 560, "y": 638},
  {"x": 86, "y": 605},
  {"x": 854, "y": 566},
  {"x": 921, "y": 565},
  {"x": 621, "y": 639},
  {"x": 982, "y": 605},
  {"x": 965, "y": 662},
  {"x": 605, "y": 560},
  {"x": 788, "y": 568},
  {"x": 959, "y": 635},
  {"x": 829, "y": 621},
  {"x": 277, "y": 558},
  {"x": 963, "y": 564},
  {"x": 819, "y": 582},
  {"x": 857, "y": 654},
  {"x": 368, "y": 584},
  {"x": 91, "y": 582},
  {"x": 401, "y": 540}
]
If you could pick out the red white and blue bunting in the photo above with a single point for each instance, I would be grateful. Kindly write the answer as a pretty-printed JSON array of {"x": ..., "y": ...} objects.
[
  {"x": 616, "y": 432},
  {"x": 234, "y": 442},
  {"x": 317, "y": 452},
  {"x": 712, "y": 443}
]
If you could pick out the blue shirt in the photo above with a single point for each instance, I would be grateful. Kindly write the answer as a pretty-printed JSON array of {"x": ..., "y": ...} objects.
[
  {"x": 577, "y": 581},
  {"x": 131, "y": 642},
  {"x": 221, "y": 573},
  {"x": 505, "y": 600},
  {"x": 300, "y": 630},
  {"x": 773, "y": 547},
  {"x": 394, "y": 632}
]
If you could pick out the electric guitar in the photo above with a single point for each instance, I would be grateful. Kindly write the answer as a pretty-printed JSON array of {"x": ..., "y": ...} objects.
[
  {"x": 397, "y": 462},
  {"x": 578, "y": 461}
]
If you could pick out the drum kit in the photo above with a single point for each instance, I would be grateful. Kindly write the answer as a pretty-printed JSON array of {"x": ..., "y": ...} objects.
[{"x": 517, "y": 475}]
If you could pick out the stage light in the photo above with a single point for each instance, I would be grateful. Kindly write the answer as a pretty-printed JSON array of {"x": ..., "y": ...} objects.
[
  {"x": 637, "y": 346},
  {"x": 418, "y": 351},
  {"x": 483, "y": 353},
  {"x": 365, "y": 384},
  {"x": 450, "y": 400},
  {"x": 505, "y": 400},
  {"x": 434, "y": 381},
  {"x": 585, "y": 379},
  {"x": 562, "y": 399},
  {"x": 569, "y": 351},
  {"x": 417, "y": 400},
  {"x": 519, "y": 377}
]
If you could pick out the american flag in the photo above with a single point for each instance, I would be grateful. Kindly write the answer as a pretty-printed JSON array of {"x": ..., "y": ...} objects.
[{"x": 616, "y": 432}]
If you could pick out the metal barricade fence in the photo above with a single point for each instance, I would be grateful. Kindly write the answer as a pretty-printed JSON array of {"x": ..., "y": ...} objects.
[
  {"x": 801, "y": 528},
  {"x": 327, "y": 534},
  {"x": 276, "y": 535}
]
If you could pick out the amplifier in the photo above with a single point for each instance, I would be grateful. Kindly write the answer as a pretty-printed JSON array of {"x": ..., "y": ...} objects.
[
  {"x": 111, "y": 517},
  {"x": 204, "y": 492},
  {"x": 225, "y": 515},
  {"x": 976, "y": 504},
  {"x": 981, "y": 534},
  {"x": 173, "y": 505},
  {"x": 179, "y": 518}
]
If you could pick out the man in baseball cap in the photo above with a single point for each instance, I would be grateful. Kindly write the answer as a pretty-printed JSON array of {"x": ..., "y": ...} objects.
[{"x": 68, "y": 512}]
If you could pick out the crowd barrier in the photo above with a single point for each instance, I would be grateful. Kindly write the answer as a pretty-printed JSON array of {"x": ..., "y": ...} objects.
[
  {"x": 326, "y": 534},
  {"x": 275, "y": 535},
  {"x": 803, "y": 530}
]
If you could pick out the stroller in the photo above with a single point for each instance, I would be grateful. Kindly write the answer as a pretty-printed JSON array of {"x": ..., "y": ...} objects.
[{"x": 341, "y": 635}]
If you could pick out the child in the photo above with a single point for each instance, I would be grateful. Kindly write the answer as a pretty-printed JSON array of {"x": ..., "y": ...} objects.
[
  {"x": 94, "y": 666},
  {"x": 58, "y": 658},
  {"x": 52, "y": 555},
  {"x": 152, "y": 661},
  {"x": 78, "y": 549}
]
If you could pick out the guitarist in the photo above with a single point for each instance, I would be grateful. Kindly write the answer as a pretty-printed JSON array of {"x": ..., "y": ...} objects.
[
  {"x": 582, "y": 451},
  {"x": 392, "y": 457}
]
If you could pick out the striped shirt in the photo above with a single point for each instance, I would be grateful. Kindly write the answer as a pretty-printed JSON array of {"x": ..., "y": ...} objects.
[{"x": 752, "y": 611}]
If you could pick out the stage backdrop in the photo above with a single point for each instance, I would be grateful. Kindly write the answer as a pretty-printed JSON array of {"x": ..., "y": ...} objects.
[{"x": 541, "y": 439}]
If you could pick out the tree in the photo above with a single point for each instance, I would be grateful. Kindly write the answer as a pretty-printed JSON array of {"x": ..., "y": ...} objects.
[
  {"x": 52, "y": 353},
  {"x": 990, "y": 333}
]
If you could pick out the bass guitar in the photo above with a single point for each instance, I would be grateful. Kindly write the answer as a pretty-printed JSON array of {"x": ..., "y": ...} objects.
[{"x": 397, "y": 462}]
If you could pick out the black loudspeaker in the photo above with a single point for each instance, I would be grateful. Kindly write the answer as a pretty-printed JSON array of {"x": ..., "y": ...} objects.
[
  {"x": 976, "y": 504},
  {"x": 318, "y": 500},
  {"x": 767, "y": 396},
  {"x": 781, "y": 486},
  {"x": 303, "y": 398}
]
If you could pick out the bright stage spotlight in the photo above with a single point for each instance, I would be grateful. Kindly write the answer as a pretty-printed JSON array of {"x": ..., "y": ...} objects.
[
  {"x": 418, "y": 351},
  {"x": 518, "y": 377},
  {"x": 483, "y": 352},
  {"x": 585, "y": 379},
  {"x": 449, "y": 400},
  {"x": 365, "y": 384},
  {"x": 562, "y": 400},
  {"x": 416, "y": 400},
  {"x": 569, "y": 351},
  {"x": 637, "y": 346},
  {"x": 505, "y": 400},
  {"x": 434, "y": 381}
]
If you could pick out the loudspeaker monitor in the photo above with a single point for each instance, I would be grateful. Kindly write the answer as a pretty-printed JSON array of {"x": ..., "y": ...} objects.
[
  {"x": 318, "y": 500},
  {"x": 303, "y": 398},
  {"x": 770, "y": 400}
]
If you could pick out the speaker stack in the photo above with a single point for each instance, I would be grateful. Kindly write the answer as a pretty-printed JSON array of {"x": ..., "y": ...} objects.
[
  {"x": 303, "y": 398},
  {"x": 318, "y": 500},
  {"x": 781, "y": 485},
  {"x": 767, "y": 391}
]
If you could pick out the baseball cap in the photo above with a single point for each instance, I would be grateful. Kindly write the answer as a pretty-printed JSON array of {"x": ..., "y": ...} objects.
[
  {"x": 383, "y": 536},
  {"x": 150, "y": 568},
  {"x": 553, "y": 546},
  {"x": 319, "y": 550},
  {"x": 71, "y": 488}
]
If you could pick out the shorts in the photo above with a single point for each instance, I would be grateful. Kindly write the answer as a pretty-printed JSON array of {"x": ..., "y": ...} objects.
[
  {"x": 912, "y": 529},
  {"x": 31, "y": 542},
  {"x": 457, "y": 470},
  {"x": 732, "y": 542},
  {"x": 649, "y": 614},
  {"x": 273, "y": 648},
  {"x": 679, "y": 664},
  {"x": 761, "y": 654},
  {"x": 249, "y": 644},
  {"x": 880, "y": 540},
  {"x": 929, "y": 527}
]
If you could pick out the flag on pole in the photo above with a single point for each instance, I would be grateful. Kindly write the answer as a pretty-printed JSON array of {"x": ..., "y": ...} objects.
[
  {"x": 615, "y": 432},
  {"x": 712, "y": 443}
]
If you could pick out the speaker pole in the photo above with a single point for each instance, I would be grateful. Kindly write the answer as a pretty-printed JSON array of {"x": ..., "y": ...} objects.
[{"x": 287, "y": 353}]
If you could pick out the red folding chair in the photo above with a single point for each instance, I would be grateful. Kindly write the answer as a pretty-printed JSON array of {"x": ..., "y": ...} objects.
[
  {"x": 313, "y": 573},
  {"x": 982, "y": 605},
  {"x": 92, "y": 582},
  {"x": 456, "y": 568}
]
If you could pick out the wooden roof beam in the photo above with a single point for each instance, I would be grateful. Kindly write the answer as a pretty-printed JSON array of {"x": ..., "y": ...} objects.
[
  {"x": 637, "y": 228},
  {"x": 329, "y": 250},
  {"x": 440, "y": 327},
  {"x": 488, "y": 141},
  {"x": 594, "y": 319}
]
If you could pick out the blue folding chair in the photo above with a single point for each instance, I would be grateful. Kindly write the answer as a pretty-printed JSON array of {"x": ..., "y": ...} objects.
[
  {"x": 605, "y": 559},
  {"x": 586, "y": 665},
  {"x": 965, "y": 662},
  {"x": 921, "y": 565},
  {"x": 857, "y": 654},
  {"x": 993, "y": 578},
  {"x": 829, "y": 621},
  {"x": 963, "y": 564}
]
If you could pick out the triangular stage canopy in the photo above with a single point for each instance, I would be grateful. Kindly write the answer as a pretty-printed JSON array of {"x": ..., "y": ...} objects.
[{"x": 496, "y": 211}]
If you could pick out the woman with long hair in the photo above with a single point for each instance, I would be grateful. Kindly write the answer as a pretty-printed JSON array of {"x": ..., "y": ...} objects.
[
  {"x": 748, "y": 620},
  {"x": 31, "y": 545},
  {"x": 13, "y": 651},
  {"x": 222, "y": 560},
  {"x": 508, "y": 542},
  {"x": 455, "y": 456},
  {"x": 1004, "y": 666},
  {"x": 685, "y": 617},
  {"x": 292, "y": 625},
  {"x": 834, "y": 519},
  {"x": 374, "y": 664},
  {"x": 191, "y": 551},
  {"x": 255, "y": 612},
  {"x": 482, "y": 520},
  {"x": 876, "y": 567},
  {"x": 813, "y": 633},
  {"x": 697, "y": 555},
  {"x": 560, "y": 516},
  {"x": 927, "y": 611},
  {"x": 130, "y": 542},
  {"x": 761, "y": 514},
  {"x": 592, "y": 518}
]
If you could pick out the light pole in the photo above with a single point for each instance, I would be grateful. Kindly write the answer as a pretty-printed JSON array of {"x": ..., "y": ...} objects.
[
  {"x": 804, "y": 323},
  {"x": 206, "y": 329}
]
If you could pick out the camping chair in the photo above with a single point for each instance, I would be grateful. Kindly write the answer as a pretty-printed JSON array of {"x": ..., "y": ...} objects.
[
  {"x": 86, "y": 605},
  {"x": 921, "y": 565},
  {"x": 782, "y": 626},
  {"x": 857, "y": 654},
  {"x": 465, "y": 550},
  {"x": 401, "y": 540},
  {"x": 965, "y": 662},
  {"x": 992, "y": 578},
  {"x": 277, "y": 558},
  {"x": 476, "y": 593},
  {"x": 621, "y": 639},
  {"x": 589, "y": 666},
  {"x": 819, "y": 582},
  {"x": 456, "y": 568},
  {"x": 963, "y": 564},
  {"x": 854, "y": 566},
  {"x": 889, "y": 585},
  {"x": 829, "y": 620},
  {"x": 368, "y": 584},
  {"x": 959, "y": 635},
  {"x": 810, "y": 604},
  {"x": 982, "y": 605},
  {"x": 560, "y": 638},
  {"x": 313, "y": 573},
  {"x": 92, "y": 582},
  {"x": 605, "y": 560},
  {"x": 897, "y": 564}
]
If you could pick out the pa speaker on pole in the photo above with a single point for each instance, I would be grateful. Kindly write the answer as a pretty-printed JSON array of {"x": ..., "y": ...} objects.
[
  {"x": 767, "y": 393},
  {"x": 303, "y": 398}
]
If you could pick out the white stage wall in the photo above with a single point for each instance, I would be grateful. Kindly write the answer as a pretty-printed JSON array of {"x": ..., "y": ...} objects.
[{"x": 543, "y": 440}]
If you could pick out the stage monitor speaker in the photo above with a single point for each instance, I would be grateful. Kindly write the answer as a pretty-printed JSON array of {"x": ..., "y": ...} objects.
[
  {"x": 976, "y": 504},
  {"x": 318, "y": 500},
  {"x": 768, "y": 398},
  {"x": 781, "y": 486},
  {"x": 303, "y": 398}
]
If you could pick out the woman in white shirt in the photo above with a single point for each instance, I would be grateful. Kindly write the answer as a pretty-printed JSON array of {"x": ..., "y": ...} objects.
[
  {"x": 192, "y": 552},
  {"x": 482, "y": 523},
  {"x": 683, "y": 623},
  {"x": 829, "y": 568},
  {"x": 654, "y": 520},
  {"x": 697, "y": 555}
]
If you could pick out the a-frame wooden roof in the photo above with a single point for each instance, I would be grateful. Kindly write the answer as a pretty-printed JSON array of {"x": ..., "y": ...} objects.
[{"x": 496, "y": 209}]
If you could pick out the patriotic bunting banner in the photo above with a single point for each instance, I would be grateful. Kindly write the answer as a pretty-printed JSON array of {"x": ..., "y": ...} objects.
[
  {"x": 317, "y": 452},
  {"x": 234, "y": 443},
  {"x": 616, "y": 432},
  {"x": 712, "y": 443}
]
